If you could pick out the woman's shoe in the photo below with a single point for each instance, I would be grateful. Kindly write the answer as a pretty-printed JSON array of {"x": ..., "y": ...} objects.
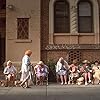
[
  {"x": 86, "y": 83},
  {"x": 62, "y": 83},
  {"x": 89, "y": 81},
  {"x": 21, "y": 85},
  {"x": 27, "y": 87},
  {"x": 65, "y": 83}
]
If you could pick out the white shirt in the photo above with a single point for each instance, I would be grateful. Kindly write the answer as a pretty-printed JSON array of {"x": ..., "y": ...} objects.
[
  {"x": 59, "y": 65},
  {"x": 25, "y": 63},
  {"x": 10, "y": 70}
]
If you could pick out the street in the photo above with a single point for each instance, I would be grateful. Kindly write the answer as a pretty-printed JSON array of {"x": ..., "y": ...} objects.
[{"x": 51, "y": 92}]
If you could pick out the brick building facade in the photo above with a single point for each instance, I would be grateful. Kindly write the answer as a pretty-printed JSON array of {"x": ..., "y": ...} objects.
[
  {"x": 51, "y": 29},
  {"x": 72, "y": 45}
]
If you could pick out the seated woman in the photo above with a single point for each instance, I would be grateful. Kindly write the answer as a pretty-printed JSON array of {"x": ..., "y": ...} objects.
[
  {"x": 62, "y": 69},
  {"x": 74, "y": 74},
  {"x": 96, "y": 72},
  {"x": 41, "y": 72},
  {"x": 10, "y": 72},
  {"x": 85, "y": 71}
]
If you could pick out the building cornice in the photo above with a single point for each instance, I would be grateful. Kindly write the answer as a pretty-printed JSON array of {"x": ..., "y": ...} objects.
[{"x": 72, "y": 47}]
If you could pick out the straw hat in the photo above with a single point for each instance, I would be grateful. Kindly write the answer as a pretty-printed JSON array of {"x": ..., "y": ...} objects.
[
  {"x": 86, "y": 61},
  {"x": 9, "y": 62},
  {"x": 75, "y": 61},
  {"x": 40, "y": 63}
]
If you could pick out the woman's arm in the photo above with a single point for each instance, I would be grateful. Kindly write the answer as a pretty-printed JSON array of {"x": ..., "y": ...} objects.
[{"x": 6, "y": 71}]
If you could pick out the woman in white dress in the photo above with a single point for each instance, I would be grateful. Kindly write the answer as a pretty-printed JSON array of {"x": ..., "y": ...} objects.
[
  {"x": 25, "y": 69},
  {"x": 62, "y": 69}
]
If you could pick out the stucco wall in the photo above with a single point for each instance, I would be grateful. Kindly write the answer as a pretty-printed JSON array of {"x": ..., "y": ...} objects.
[{"x": 15, "y": 48}]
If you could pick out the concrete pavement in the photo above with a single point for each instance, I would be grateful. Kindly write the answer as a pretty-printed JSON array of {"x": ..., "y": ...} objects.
[{"x": 51, "y": 92}]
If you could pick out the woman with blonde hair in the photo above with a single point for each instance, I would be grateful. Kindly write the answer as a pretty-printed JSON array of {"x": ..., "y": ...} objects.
[
  {"x": 25, "y": 69},
  {"x": 10, "y": 72}
]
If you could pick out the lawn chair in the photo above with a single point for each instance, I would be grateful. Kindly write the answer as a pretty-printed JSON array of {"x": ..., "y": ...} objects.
[{"x": 37, "y": 79}]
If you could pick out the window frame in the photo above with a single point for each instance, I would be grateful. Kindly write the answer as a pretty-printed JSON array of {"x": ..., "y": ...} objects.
[
  {"x": 27, "y": 30},
  {"x": 65, "y": 17},
  {"x": 90, "y": 17}
]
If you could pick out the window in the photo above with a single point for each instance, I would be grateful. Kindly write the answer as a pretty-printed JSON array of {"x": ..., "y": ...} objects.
[
  {"x": 85, "y": 17},
  {"x": 61, "y": 17},
  {"x": 22, "y": 28}
]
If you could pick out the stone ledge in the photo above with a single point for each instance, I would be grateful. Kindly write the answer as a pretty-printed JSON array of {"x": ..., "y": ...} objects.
[
  {"x": 72, "y": 46},
  {"x": 23, "y": 41}
]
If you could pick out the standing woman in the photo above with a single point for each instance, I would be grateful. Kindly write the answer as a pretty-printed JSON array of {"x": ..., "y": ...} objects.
[{"x": 25, "y": 69}]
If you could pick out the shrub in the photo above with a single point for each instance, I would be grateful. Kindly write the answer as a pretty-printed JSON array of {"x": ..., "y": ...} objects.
[{"x": 52, "y": 72}]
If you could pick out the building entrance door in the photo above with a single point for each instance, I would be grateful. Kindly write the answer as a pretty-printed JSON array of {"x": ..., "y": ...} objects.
[
  {"x": 2, "y": 31},
  {"x": 2, "y": 51}
]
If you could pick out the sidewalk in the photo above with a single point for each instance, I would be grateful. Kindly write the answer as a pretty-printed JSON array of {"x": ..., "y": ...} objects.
[
  {"x": 51, "y": 92},
  {"x": 38, "y": 89}
]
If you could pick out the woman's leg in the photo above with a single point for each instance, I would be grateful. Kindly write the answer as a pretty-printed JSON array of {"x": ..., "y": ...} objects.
[
  {"x": 40, "y": 80},
  {"x": 26, "y": 84},
  {"x": 65, "y": 79},
  {"x": 61, "y": 77},
  {"x": 13, "y": 79},
  {"x": 25, "y": 81},
  {"x": 89, "y": 76},
  {"x": 85, "y": 76},
  {"x": 6, "y": 85},
  {"x": 9, "y": 79},
  {"x": 57, "y": 77}
]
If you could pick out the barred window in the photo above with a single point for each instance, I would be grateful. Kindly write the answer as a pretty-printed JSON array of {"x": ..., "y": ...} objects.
[
  {"x": 61, "y": 17},
  {"x": 85, "y": 17},
  {"x": 22, "y": 28}
]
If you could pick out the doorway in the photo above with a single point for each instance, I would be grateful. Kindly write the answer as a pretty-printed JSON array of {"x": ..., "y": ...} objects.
[
  {"x": 2, "y": 31},
  {"x": 2, "y": 51}
]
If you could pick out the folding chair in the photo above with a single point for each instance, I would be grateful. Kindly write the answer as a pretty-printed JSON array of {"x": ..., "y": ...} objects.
[{"x": 37, "y": 79}]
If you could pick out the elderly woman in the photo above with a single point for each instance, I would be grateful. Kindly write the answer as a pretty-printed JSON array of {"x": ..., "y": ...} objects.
[
  {"x": 96, "y": 72},
  {"x": 41, "y": 71},
  {"x": 62, "y": 69},
  {"x": 73, "y": 69},
  {"x": 85, "y": 71},
  {"x": 25, "y": 69},
  {"x": 10, "y": 72}
]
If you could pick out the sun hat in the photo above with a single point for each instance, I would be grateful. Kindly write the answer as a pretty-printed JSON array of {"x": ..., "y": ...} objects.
[
  {"x": 40, "y": 63},
  {"x": 86, "y": 61}
]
